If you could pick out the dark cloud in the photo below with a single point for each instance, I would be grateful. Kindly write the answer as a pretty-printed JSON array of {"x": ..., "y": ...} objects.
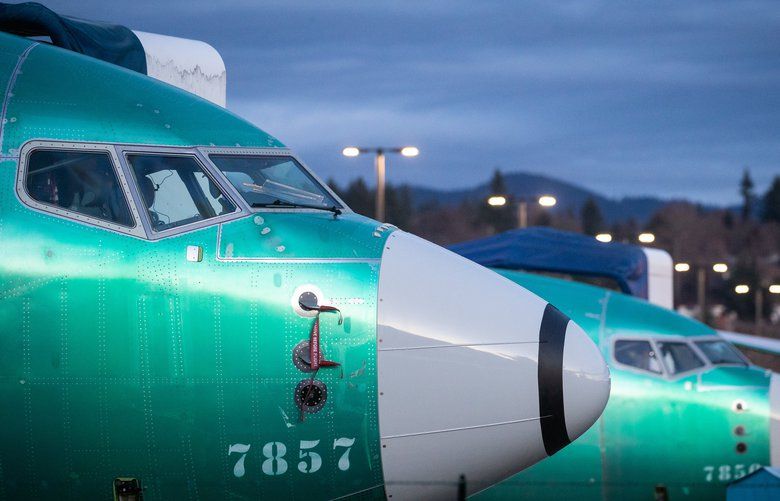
[{"x": 666, "y": 98}]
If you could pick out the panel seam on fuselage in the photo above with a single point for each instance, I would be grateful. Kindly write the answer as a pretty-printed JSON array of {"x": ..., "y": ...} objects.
[
  {"x": 602, "y": 445},
  {"x": 475, "y": 427},
  {"x": 367, "y": 489},
  {"x": 302, "y": 260},
  {"x": 10, "y": 87}
]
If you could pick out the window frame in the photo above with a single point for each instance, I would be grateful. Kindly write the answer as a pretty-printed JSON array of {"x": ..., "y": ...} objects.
[
  {"x": 26, "y": 199},
  {"x": 216, "y": 177},
  {"x": 206, "y": 151},
  {"x": 118, "y": 154},
  {"x": 705, "y": 363},
  {"x": 632, "y": 368},
  {"x": 690, "y": 340},
  {"x": 702, "y": 339}
]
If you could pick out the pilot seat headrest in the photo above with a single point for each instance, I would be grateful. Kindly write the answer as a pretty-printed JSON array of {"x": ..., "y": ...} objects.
[{"x": 147, "y": 190}]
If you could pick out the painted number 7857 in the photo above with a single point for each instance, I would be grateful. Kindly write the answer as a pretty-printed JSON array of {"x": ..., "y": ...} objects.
[{"x": 274, "y": 462}]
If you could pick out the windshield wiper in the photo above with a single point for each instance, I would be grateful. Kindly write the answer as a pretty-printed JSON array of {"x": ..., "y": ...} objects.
[{"x": 282, "y": 203}]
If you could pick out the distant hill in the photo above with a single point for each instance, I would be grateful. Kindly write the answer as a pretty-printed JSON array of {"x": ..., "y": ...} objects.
[{"x": 570, "y": 196}]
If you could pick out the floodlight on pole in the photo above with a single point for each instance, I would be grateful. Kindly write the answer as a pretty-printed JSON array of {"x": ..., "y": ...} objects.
[
  {"x": 742, "y": 289},
  {"x": 521, "y": 205},
  {"x": 496, "y": 201},
  {"x": 350, "y": 151},
  {"x": 604, "y": 237},
  {"x": 380, "y": 164},
  {"x": 682, "y": 267},
  {"x": 720, "y": 267},
  {"x": 774, "y": 289},
  {"x": 646, "y": 238},
  {"x": 410, "y": 151}
]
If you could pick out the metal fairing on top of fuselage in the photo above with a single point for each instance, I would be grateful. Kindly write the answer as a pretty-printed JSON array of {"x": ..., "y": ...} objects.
[
  {"x": 167, "y": 356},
  {"x": 680, "y": 433}
]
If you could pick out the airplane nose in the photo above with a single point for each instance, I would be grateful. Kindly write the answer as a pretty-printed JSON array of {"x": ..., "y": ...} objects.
[
  {"x": 586, "y": 385},
  {"x": 477, "y": 376}
]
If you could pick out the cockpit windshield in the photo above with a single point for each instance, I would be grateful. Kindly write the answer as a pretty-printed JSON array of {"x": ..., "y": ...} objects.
[
  {"x": 721, "y": 353},
  {"x": 176, "y": 190},
  {"x": 273, "y": 181}
]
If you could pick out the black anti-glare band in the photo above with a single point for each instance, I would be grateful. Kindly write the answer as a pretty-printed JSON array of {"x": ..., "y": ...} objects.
[{"x": 552, "y": 335}]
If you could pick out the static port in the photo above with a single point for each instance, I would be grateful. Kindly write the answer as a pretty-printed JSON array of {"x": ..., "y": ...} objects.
[
  {"x": 741, "y": 447},
  {"x": 739, "y": 431}
]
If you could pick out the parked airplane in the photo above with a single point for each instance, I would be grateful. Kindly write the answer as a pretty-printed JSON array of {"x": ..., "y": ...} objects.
[
  {"x": 687, "y": 415},
  {"x": 188, "y": 312}
]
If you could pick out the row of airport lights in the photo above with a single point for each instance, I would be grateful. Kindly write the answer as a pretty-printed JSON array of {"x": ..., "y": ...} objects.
[
  {"x": 521, "y": 207},
  {"x": 520, "y": 204},
  {"x": 645, "y": 237},
  {"x": 741, "y": 289}
]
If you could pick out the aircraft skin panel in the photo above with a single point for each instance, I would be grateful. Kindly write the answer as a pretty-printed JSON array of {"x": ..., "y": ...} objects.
[
  {"x": 128, "y": 359},
  {"x": 117, "y": 106},
  {"x": 301, "y": 236},
  {"x": 678, "y": 432},
  {"x": 679, "y": 435}
]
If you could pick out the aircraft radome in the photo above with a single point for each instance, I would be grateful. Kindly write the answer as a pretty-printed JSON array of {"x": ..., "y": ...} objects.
[
  {"x": 185, "y": 306},
  {"x": 688, "y": 414}
]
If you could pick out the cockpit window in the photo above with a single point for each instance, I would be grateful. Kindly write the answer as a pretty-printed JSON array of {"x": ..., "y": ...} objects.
[
  {"x": 721, "y": 353},
  {"x": 678, "y": 357},
  {"x": 637, "y": 353},
  {"x": 268, "y": 181},
  {"x": 83, "y": 182},
  {"x": 176, "y": 190}
]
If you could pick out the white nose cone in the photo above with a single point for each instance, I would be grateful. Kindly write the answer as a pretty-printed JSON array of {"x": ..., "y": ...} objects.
[
  {"x": 585, "y": 382},
  {"x": 477, "y": 376}
]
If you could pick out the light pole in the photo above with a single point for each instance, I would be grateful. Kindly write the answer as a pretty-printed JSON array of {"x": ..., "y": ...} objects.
[
  {"x": 644, "y": 237},
  {"x": 521, "y": 205},
  {"x": 379, "y": 163},
  {"x": 758, "y": 304},
  {"x": 701, "y": 282}
]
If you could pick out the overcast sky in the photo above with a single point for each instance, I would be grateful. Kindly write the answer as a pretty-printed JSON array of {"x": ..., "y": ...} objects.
[{"x": 662, "y": 98}]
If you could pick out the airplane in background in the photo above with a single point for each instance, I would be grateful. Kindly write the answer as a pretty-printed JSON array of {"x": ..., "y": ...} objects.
[
  {"x": 688, "y": 413},
  {"x": 188, "y": 312}
]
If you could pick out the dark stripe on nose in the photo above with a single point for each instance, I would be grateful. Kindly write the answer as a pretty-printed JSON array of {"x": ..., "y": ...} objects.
[{"x": 552, "y": 335}]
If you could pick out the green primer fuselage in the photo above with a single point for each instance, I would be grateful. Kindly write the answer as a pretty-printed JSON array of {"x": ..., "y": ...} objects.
[
  {"x": 655, "y": 431},
  {"x": 121, "y": 358}
]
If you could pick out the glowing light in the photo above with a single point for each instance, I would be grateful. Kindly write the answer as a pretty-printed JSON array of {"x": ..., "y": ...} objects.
[
  {"x": 547, "y": 201},
  {"x": 720, "y": 267},
  {"x": 497, "y": 201},
  {"x": 742, "y": 289},
  {"x": 410, "y": 151},
  {"x": 604, "y": 237},
  {"x": 682, "y": 267},
  {"x": 774, "y": 289},
  {"x": 350, "y": 151},
  {"x": 646, "y": 238}
]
